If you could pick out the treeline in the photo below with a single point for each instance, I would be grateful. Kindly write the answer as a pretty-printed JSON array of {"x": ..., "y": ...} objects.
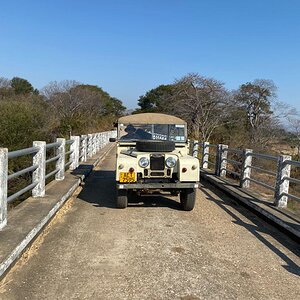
[
  {"x": 249, "y": 117},
  {"x": 58, "y": 110}
]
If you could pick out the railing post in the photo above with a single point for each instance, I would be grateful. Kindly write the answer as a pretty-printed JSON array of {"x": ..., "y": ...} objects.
[
  {"x": 205, "y": 155},
  {"x": 195, "y": 148},
  {"x": 218, "y": 160},
  {"x": 222, "y": 153},
  {"x": 60, "y": 163},
  {"x": 282, "y": 185},
  {"x": 99, "y": 141},
  {"x": 246, "y": 168},
  {"x": 106, "y": 138},
  {"x": 103, "y": 139},
  {"x": 188, "y": 144},
  {"x": 84, "y": 148},
  {"x": 75, "y": 147},
  {"x": 90, "y": 145},
  {"x": 94, "y": 145},
  {"x": 3, "y": 186},
  {"x": 39, "y": 174},
  {"x": 96, "y": 142}
]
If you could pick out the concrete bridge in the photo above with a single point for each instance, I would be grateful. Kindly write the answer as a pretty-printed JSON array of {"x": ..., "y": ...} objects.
[{"x": 152, "y": 250}]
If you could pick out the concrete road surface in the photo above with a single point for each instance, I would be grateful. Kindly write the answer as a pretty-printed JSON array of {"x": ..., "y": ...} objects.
[{"x": 153, "y": 250}]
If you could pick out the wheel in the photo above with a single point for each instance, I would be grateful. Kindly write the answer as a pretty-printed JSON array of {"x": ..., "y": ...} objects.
[
  {"x": 155, "y": 146},
  {"x": 122, "y": 199},
  {"x": 188, "y": 199}
]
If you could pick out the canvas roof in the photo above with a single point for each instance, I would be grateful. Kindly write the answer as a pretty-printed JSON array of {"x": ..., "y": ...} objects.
[{"x": 151, "y": 118}]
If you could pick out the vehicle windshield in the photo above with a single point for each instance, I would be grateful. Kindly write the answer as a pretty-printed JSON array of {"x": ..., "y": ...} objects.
[{"x": 164, "y": 132}]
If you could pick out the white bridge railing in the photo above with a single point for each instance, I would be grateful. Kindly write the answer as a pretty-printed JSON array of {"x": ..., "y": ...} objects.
[
  {"x": 241, "y": 166},
  {"x": 68, "y": 155}
]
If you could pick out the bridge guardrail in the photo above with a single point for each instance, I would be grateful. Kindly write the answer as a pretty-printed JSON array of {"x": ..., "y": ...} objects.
[
  {"x": 243, "y": 165},
  {"x": 68, "y": 155}
]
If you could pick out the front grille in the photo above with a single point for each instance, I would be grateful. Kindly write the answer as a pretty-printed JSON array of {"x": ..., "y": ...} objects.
[
  {"x": 157, "y": 174},
  {"x": 157, "y": 162}
]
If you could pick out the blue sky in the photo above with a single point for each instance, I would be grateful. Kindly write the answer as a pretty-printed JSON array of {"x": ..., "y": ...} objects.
[{"x": 128, "y": 47}]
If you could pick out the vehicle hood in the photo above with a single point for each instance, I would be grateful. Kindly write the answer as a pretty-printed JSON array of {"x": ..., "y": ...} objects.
[{"x": 135, "y": 153}]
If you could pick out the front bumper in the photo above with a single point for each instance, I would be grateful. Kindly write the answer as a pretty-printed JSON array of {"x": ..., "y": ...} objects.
[{"x": 155, "y": 185}]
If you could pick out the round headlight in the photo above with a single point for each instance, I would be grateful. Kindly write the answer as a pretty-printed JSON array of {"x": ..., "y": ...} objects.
[
  {"x": 170, "y": 162},
  {"x": 144, "y": 162}
]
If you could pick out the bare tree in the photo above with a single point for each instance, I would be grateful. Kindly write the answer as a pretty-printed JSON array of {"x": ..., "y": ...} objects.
[
  {"x": 6, "y": 89},
  {"x": 5, "y": 82},
  {"x": 70, "y": 98},
  {"x": 60, "y": 96},
  {"x": 255, "y": 99},
  {"x": 76, "y": 105},
  {"x": 201, "y": 101},
  {"x": 294, "y": 123}
]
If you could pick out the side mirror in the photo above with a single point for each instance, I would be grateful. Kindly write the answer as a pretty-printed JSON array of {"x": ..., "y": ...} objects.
[{"x": 112, "y": 140}]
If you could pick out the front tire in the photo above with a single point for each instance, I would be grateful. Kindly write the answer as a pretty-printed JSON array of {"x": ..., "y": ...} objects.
[
  {"x": 188, "y": 199},
  {"x": 122, "y": 199}
]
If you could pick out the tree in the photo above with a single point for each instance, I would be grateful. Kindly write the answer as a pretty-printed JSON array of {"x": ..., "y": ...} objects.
[
  {"x": 23, "y": 121},
  {"x": 80, "y": 106},
  {"x": 68, "y": 98},
  {"x": 111, "y": 105},
  {"x": 22, "y": 86},
  {"x": 114, "y": 107},
  {"x": 294, "y": 123},
  {"x": 255, "y": 100},
  {"x": 155, "y": 99},
  {"x": 5, "y": 83},
  {"x": 5, "y": 88},
  {"x": 203, "y": 102}
]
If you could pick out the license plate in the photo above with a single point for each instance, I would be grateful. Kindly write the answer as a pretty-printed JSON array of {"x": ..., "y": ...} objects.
[{"x": 127, "y": 176}]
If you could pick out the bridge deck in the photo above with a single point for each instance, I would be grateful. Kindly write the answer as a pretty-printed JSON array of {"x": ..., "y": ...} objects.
[{"x": 153, "y": 250}]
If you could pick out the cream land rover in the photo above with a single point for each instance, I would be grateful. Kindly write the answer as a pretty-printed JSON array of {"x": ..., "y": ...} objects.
[{"x": 153, "y": 158}]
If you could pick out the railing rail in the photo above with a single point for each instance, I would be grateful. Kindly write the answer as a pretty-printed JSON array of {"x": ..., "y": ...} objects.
[
  {"x": 77, "y": 149},
  {"x": 264, "y": 156},
  {"x": 22, "y": 172},
  {"x": 242, "y": 164},
  {"x": 21, "y": 192},
  {"x": 22, "y": 152},
  {"x": 55, "y": 158},
  {"x": 52, "y": 145}
]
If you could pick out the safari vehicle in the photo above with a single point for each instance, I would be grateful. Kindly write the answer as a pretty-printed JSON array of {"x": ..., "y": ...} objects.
[{"x": 153, "y": 158}]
